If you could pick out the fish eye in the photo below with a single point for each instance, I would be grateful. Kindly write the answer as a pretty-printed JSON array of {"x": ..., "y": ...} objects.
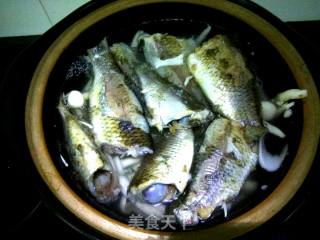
[{"x": 156, "y": 193}]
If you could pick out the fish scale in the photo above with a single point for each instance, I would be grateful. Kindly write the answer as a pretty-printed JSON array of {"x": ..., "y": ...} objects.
[{"x": 111, "y": 127}]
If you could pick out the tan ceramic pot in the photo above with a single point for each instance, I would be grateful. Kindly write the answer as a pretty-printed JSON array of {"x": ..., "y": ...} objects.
[{"x": 234, "y": 227}]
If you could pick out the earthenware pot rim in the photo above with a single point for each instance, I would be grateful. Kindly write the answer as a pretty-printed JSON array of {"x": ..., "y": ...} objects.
[{"x": 237, "y": 226}]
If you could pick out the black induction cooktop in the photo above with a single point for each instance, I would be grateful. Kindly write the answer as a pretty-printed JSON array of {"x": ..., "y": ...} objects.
[{"x": 31, "y": 211}]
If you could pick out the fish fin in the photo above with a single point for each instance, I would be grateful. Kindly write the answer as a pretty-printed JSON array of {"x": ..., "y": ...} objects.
[
  {"x": 140, "y": 35},
  {"x": 102, "y": 48},
  {"x": 225, "y": 209},
  {"x": 187, "y": 80}
]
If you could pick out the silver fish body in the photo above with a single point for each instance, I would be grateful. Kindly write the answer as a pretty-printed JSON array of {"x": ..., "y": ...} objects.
[
  {"x": 115, "y": 113},
  {"x": 164, "y": 175},
  {"x": 221, "y": 72},
  {"x": 165, "y": 103},
  {"x": 225, "y": 160}
]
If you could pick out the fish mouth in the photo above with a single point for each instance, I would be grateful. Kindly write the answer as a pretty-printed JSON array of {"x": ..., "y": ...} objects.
[{"x": 105, "y": 186}]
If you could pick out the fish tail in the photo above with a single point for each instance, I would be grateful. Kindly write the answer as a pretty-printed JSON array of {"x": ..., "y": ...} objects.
[
  {"x": 101, "y": 49},
  {"x": 62, "y": 106}
]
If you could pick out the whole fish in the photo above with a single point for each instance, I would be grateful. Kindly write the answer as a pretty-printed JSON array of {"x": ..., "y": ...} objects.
[
  {"x": 116, "y": 115},
  {"x": 167, "y": 55},
  {"x": 95, "y": 172},
  {"x": 225, "y": 160},
  {"x": 164, "y": 102},
  {"x": 206, "y": 164},
  {"x": 221, "y": 72},
  {"x": 163, "y": 175}
]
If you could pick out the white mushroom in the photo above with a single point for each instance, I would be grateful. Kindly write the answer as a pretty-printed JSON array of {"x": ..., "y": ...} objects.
[
  {"x": 280, "y": 104},
  {"x": 268, "y": 161},
  {"x": 75, "y": 99},
  {"x": 288, "y": 95},
  {"x": 268, "y": 110},
  {"x": 274, "y": 130},
  {"x": 287, "y": 113}
]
